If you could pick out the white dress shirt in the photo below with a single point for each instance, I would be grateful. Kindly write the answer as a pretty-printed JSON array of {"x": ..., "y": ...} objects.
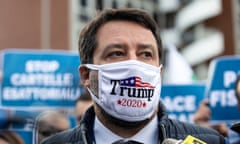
[{"x": 148, "y": 135}]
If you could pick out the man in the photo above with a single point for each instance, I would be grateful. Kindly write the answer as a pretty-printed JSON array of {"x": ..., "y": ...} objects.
[
  {"x": 121, "y": 51},
  {"x": 237, "y": 91},
  {"x": 49, "y": 123},
  {"x": 203, "y": 115},
  {"x": 82, "y": 104}
]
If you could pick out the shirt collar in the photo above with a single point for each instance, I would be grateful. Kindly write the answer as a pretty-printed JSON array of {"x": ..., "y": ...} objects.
[{"x": 149, "y": 134}]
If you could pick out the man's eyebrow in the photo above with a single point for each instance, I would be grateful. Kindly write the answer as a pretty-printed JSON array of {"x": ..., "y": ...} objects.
[
  {"x": 123, "y": 46},
  {"x": 110, "y": 47},
  {"x": 114, "y": 45},
  {"x": 146, "y": 46}
]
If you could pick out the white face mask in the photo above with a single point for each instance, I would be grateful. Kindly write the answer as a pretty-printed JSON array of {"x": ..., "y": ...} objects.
[{"x": 128, "y": 90}]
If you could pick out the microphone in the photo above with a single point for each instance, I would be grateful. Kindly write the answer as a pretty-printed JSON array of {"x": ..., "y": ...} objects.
[
  {"x": 188, "y": 140},
  {"x": 236, "y": 127}
]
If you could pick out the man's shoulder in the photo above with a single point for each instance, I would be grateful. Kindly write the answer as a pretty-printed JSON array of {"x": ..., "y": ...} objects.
[
  {"x": 192, "y": 128},
  {"x": 180, "y": 130},
  {"x": 64, "y": 137}
]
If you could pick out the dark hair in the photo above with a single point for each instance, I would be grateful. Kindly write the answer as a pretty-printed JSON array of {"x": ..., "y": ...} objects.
[
  {"x": 11, "y": 137},
  {"x": 47, "y": 128},
  {"x": 88, "y": 41}
]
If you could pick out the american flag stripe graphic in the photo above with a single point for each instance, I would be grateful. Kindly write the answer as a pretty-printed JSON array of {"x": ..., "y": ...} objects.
[{"x": 135, "y": 81}]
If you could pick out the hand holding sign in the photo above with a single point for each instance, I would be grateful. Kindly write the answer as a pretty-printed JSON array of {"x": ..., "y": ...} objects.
[{"x": 220, "y": 89}]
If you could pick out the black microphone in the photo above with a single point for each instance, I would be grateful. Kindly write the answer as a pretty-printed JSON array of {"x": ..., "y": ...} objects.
[
  {"x": 236, "y": 127},
  {"x": 188, "y": 140}
]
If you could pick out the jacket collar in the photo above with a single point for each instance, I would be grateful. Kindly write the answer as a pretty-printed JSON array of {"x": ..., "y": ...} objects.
[{"x": 87, "y": 122}]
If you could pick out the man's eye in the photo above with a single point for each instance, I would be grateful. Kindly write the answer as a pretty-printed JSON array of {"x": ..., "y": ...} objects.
[
  {"x": 115, "y": 54},
  {"x": 147, "y": 54}
]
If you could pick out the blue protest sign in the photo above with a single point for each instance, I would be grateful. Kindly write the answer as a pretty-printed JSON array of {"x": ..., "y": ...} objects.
[
  {"x": 40, "y": 78},
  {"x": 182, "y": 101},
  {"x": 26, "y": 136},
  {"x": 220, "y": 88}
]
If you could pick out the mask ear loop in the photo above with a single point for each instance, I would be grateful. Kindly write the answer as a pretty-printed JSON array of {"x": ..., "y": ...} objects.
[
  {"x": 92, "y": 66},
  {"x": 96, "y": 68},
  {"x": 161, "y": 69},
  {"x": 91, "y": 93},
  {"x": 161, "y": 66}
]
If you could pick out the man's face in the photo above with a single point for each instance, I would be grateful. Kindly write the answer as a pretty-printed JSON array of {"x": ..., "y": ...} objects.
[{"x": 120, "y": 41}]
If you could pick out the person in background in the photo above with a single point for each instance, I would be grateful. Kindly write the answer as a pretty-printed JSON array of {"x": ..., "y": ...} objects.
[
  {"x": 237, "y": 91},
  {"x": 234, "y": 136},
  {"x": 121, "y": 66},
  {"x": 82, "y": 104},
  {"x": 49, "y": 123},
  {"x": 203, "y": 115},
  {"x": 10, "y": 137}
]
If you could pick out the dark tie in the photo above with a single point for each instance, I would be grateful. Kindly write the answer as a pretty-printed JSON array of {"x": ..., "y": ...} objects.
[{"x": 126, "y": 142}]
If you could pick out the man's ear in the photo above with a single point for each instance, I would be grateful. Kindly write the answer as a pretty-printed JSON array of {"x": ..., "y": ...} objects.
[{"x": 84, "y": 74}]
